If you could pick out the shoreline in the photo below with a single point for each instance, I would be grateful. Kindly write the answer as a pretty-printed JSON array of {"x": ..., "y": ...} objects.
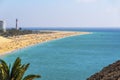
[{"x": 43, "y": 39}]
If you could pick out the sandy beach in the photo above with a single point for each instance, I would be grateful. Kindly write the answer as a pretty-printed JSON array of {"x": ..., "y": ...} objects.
[{"x": 13, "y": 43}]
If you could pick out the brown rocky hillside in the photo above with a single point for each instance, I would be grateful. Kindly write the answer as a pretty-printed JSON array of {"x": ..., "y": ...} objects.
[{"x": 111, "y": 72}]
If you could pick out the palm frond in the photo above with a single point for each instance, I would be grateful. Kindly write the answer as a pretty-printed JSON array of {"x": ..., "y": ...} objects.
[
  {"x": 16, "y": 72},
  {"x": 4, "y": 70},
  {"x": 21, "y": 71},
  {"x": 31, "y": 77},
  {"x": 15, "y": 67}
]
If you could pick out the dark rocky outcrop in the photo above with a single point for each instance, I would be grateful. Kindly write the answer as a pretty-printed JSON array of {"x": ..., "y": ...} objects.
[{"x": 111, "y": 72}]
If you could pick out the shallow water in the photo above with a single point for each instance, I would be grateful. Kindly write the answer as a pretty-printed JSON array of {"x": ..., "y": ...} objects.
[{"x": 71, "y": 58}]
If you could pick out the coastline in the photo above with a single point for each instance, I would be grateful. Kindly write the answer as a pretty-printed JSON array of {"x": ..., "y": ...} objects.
[{"x": 23, "y": 41}]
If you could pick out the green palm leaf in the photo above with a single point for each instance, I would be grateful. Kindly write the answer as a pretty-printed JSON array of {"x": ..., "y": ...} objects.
[
  {"x": 31, "y": 77},
  {"x": 4, "y": 70},
  {"x": 16, "y": 72},
  {"x": 15, "y": 67}
]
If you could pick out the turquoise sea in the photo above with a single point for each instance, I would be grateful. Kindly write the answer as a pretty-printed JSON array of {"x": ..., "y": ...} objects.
[{"x": 71, "y": 58}]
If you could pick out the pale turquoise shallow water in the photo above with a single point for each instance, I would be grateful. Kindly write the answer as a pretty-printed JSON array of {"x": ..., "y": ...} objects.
[{"x": 72, "y": 58}]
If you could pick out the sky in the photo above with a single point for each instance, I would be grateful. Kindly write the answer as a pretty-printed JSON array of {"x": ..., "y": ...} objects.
[{"x": 61, "y": 13}]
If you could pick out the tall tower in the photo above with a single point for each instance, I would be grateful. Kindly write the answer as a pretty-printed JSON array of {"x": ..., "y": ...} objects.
[{"x": 16, "y": 24}]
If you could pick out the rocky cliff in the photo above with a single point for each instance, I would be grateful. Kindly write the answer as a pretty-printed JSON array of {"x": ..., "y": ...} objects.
[{"x": 111, "y": 72}]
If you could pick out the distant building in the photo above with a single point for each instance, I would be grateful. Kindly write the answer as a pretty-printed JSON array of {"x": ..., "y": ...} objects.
[
  {"x": 16, "y": 24},
  {"x": 2, "y": 26}
]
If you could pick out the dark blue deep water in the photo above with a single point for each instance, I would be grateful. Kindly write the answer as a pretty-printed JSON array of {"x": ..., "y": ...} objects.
[{"x": 71, "y": 58}]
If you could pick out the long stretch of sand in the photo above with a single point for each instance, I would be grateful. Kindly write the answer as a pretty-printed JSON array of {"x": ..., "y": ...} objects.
[{"x": 17, "y": 42}]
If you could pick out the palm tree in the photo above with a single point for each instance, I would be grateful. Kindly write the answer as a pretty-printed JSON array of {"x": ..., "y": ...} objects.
[{"x": 16, "y": 72}]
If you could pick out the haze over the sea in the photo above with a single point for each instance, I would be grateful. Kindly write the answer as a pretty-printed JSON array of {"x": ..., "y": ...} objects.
[{"x": 61, "y": 13}]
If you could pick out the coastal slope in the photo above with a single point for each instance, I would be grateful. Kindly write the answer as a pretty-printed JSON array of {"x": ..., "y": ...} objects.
[
  {"x": 111, "y": 72},
  {"x": 13, "y": 43}
]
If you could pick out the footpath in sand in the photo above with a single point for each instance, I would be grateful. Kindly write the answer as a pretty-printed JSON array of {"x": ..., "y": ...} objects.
[{"x": 17, "y": 42}]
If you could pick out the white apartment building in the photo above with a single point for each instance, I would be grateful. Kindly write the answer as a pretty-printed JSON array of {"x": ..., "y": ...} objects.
[{"x": 2, "y": 26}]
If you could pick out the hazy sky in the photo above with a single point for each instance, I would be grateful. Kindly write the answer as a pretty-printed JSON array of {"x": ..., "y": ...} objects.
[{"x": 61, "y": 13}]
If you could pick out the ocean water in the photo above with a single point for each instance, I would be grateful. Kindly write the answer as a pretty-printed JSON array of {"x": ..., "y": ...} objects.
[{"x": 71, "y": 58}]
